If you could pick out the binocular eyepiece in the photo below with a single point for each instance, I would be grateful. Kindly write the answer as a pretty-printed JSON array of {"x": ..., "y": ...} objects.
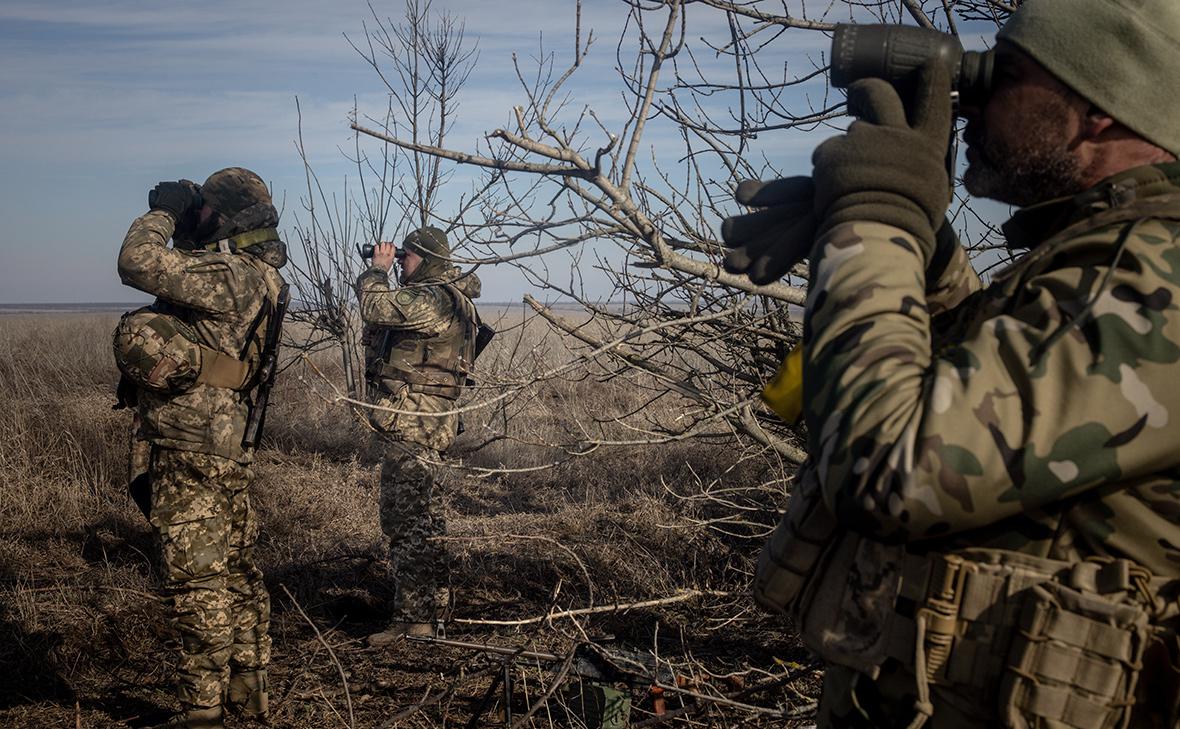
[
  {"x": 893, "y": 52},
  {"x": 368, "y": 249}
]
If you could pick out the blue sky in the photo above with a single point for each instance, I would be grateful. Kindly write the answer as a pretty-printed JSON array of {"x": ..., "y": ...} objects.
[{"x": 99, "y": 101}]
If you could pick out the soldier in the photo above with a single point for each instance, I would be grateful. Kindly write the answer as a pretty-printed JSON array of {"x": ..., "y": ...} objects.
[
  {"x": 199, "y": 361},
  {"x": 421, "y": 342},
  {"x": 987, "y": 532}
]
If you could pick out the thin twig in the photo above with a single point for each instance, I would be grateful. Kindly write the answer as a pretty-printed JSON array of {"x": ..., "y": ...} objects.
[
  {"x": 331, "y": 653},
  {"x": 543, "y": 699}
]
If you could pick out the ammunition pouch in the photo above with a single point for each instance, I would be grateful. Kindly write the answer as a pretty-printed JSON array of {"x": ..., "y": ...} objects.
[
  {"x": 427, "y": 381},
  {"x": 1075, "y": 658},
  {"x": 1046, "y": 643},
  {"x": 839, "y": 587}
]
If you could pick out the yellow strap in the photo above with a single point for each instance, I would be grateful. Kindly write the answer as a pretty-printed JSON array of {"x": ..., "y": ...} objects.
[
  {"x": 221, "y": 370},
  {"x": 784, "y": 392}
]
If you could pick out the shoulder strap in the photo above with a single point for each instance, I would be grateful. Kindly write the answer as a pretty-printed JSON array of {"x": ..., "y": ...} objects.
[{"x": 244, "y": 240}]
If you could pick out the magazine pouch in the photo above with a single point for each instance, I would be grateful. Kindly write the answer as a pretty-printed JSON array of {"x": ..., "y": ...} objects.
[{"x": 1077, "y": 650}]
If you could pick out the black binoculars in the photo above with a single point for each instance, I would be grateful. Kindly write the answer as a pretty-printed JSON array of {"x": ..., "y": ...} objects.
[
  {"x": 894, "y": 52},
  {"x": 367, "y": 250}
]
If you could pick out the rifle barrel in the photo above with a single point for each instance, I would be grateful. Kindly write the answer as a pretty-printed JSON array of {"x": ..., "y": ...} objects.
[{"x": 488, "y": 648}]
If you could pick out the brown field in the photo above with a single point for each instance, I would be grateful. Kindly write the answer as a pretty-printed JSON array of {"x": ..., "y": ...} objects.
[{"x": 83, "y": 639}]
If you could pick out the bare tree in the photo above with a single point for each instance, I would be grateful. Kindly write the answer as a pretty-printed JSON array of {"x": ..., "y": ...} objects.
[
  {"x": 634, "y": 201},
  {"x": 614, "y": 216},
  {"x": 423, "y": 60}
]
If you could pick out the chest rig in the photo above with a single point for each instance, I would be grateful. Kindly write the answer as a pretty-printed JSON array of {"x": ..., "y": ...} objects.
[{"x": 434, "y": 365}]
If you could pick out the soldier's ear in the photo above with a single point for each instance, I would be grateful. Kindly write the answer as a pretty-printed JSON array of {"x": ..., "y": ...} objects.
[{"x": 1095, "y": 124}]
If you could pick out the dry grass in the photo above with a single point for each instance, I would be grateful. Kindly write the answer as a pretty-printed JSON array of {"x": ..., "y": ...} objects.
[{"x": 82, "y": 640}]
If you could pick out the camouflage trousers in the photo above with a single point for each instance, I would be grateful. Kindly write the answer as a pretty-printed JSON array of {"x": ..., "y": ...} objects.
[
  {"x": 411, "y": 513},
  {"x": 219, "y": 605}
]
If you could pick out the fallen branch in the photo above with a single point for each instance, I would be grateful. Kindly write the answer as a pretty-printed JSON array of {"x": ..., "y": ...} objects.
[{"x": 617, "y": 607}]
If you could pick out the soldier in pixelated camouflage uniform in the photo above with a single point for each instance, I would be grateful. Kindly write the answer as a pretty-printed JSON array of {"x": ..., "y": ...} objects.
[
  {"x": 420, "y": 345},
  {"x": 987, "y": 532},
  {"x": 219, "y": 283}
]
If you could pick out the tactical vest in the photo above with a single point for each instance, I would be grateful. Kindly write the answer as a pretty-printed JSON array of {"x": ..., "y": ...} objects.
[
  {"x": 1046, "y": 643},
  {"x": 158, "y": 348},
  {"x": 437, "y": 365}
]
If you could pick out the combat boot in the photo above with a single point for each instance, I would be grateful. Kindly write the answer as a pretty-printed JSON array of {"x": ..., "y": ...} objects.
[
  {"x": 397, "y": 631},
  {"x": 210, "y": 718},
  {"x": 247, "y": 694}
]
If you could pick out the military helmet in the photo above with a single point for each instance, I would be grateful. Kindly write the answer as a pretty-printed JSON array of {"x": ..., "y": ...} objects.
[
  {"x": 428, "y": 242},
  {"x": 232, "y": 190},
  {"x": 157, "y": 351}
]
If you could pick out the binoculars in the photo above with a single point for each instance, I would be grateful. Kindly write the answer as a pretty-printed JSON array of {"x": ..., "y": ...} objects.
[
  {"x": 894, "y": 52},
  {"x": 188, "y": 223},
  {"x": 367, "y": 250}
]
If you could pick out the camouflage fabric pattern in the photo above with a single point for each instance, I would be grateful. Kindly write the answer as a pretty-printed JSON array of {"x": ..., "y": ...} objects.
[
  {"x": 1036, "y": 411},
  {"x": 423, "y": 309},
  {"x": 1030, "y": 416},
  {"x": 219, "y": 296},
  {"x": 232, "y": 190},
  {"x": 206, "y": 529},
  {"x": 411, "y": 518},
  {"x": 156, "y": 352},
  {"x": 413, "y": 423},
  {"x": 413, "y": 439}
]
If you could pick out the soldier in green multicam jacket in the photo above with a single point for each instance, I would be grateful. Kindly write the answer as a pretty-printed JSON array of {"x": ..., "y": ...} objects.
[
  {"x": 987, "y": 532},
  {"x": 420, "y": 345},
  {"x": 217, "y": 285}
]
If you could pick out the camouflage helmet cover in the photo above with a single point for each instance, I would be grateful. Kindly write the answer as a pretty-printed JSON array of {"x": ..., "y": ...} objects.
[
  {"x": 234, "y": 189},
  {"x": 428, "y": 242},
  {"x": 157, "y": 351}
]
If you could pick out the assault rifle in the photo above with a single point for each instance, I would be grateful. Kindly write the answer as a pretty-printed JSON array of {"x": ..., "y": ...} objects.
[
  {"x": 267, "y": 370},
  {"x": 600, "y": 704},
  {"x": 590, "y": 661}
]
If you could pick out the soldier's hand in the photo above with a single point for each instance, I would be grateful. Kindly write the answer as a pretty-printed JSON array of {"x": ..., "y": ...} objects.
[
  {"x": 890, "y": 166},
  {"x": 383, "y": 254},
  {"x": 177, "y": 197},
  {"x": 767, "y": 243}
]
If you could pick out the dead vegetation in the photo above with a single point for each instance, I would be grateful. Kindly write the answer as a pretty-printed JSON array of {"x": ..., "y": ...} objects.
[{"x": 535, "y": 530}]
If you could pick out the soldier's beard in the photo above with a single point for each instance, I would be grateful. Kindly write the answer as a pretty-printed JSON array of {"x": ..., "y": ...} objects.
[{"x": 1026, "y": 168}]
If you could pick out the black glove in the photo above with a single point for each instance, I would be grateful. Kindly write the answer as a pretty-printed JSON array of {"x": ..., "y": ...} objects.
[
  {"x": 178, "y": 198},
  {"x": 768, "y": 243},
  {"x": 885, "y": 168}
]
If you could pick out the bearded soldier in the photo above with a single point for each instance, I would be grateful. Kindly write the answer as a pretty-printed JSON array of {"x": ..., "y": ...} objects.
[
  {"x": 421, "y": 343},
  {"x": 987, "y": 532},
  {"x": 199, "y": 362}
]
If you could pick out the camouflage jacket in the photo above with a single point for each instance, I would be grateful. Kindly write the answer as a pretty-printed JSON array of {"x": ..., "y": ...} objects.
[
  {"x": 220, "y": 295},
  {"x": 1033, "y": 415},
  {"x": 423, "y": 311}
]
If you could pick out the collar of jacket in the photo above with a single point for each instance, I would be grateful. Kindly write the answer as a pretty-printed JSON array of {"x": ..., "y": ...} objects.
[
  {"x": 467, "y": 283},
  {"x": 1028, "y": 227}
]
